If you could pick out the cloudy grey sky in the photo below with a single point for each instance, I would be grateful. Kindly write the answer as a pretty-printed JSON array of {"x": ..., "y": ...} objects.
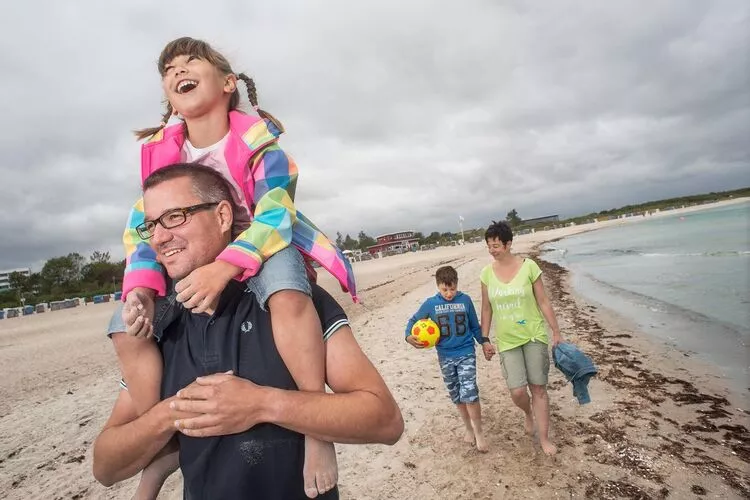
[{"x": 401, "y": 114}]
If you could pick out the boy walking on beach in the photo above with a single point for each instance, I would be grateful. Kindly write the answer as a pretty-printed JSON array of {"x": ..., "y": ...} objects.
[{"x": 454, "y": 313}]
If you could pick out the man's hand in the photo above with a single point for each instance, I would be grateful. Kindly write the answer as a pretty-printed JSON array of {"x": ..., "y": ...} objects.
[
  {"x": 199, "y": 291},
  {"x": 489, "y": 350},
  {"x": 557, "y": 339},
  {"x": 414, "y": 341},
  {"x": 138, "y": 312},
  {"x": 226, "y": 404}
]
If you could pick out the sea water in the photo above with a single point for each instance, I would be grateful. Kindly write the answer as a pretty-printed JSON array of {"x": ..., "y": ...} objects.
[{"x": 684, "y": 278}]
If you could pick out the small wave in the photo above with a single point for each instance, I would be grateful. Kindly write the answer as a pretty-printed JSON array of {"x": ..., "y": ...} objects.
[
  {"x": 552, "y": 248},
  {"x": 612, "y": 251},
  {"x": 674, "y": 254},
  {"x": 660, "y": 306},
  {"x": 738, "y": 253},
  {"x": 629, "y": 252}
]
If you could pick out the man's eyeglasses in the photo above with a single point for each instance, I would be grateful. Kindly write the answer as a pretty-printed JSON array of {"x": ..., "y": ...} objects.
[{"x": 171, "y": 219}]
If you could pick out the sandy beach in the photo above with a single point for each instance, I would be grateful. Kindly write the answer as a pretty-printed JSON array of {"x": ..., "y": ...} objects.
[{"x": 661, "y": 424}]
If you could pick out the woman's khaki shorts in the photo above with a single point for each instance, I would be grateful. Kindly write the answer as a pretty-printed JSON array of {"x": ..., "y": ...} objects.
[{"x": 526, "y": 364}]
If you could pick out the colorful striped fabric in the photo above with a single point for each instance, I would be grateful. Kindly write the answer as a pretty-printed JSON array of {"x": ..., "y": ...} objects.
[
  {"x": 141, "y": 267},
  {"x": 270, "y": 182}
]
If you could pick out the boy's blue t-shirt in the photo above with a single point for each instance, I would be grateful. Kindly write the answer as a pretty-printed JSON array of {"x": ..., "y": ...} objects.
[{"x": 457, "y": 319}]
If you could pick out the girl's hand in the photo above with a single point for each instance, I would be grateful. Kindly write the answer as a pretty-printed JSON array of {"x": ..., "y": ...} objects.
[
  {"x": 414, "y": 341},
  {"x": 138, "y": 313},
  {"x": 199, "y": 291}
]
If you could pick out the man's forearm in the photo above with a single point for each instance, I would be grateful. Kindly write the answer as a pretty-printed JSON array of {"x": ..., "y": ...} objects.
[
  {"x": 354, "y": 418},
  {"x": 121, "y": 451}
]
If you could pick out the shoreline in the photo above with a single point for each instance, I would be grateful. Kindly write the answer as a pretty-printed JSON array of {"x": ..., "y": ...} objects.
[
  {"x": 672, "y": 327},
  {"x": 651, "y": 313},
  {"x": 699, "y": 428}
]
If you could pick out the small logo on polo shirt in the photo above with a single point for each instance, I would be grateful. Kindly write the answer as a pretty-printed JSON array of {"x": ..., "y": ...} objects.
[{"x": 246, "y": 327}]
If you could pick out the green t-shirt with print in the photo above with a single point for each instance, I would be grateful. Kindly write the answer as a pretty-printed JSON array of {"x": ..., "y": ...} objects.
[{"x": 515, "y": 312}]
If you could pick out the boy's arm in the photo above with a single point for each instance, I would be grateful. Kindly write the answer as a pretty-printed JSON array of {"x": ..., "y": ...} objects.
[
  {"x": 274, "y": 179},
  {"x": 422, "y": 312},
  {"x": 141, "y": 268},
  {"x": 474, "y": 327}
]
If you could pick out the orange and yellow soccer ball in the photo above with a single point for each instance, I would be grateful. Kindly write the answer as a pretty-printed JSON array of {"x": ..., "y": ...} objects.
[{"x": 427, "y": 332}]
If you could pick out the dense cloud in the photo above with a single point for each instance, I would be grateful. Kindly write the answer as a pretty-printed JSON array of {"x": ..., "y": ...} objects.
[{"x": 400, "y": 114}]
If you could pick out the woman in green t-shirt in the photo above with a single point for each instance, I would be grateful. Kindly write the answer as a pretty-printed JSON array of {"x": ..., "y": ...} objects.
[{"x": 514, "y": 296}]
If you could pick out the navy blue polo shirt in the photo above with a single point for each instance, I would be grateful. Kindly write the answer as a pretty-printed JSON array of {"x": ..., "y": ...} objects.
[{"x": 266, "y": 461}]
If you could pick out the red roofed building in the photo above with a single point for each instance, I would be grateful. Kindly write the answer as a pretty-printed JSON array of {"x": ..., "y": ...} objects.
[{"x": 400, "y": 241}]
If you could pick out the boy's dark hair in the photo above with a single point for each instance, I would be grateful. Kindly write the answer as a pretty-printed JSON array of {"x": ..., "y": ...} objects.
[
  {"x": 446, "y": 275},
  {"x": 499, "y": 230}
]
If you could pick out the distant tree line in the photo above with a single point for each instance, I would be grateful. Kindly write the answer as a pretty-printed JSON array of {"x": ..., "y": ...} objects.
[
  {"x": 64, "y": 277},
  {"x": 74, "y": 275},
  {"x": 668, "y": 204},
  {"x": 513, "y": 218}
]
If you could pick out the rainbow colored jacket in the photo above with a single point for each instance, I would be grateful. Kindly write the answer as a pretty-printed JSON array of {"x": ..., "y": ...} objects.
[{"x": 268, "y": 178}]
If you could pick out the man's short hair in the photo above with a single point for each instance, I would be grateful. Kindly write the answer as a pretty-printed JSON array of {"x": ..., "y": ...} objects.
[
  {"x": 446, "y": 275},
  {"x": 208, "y": 185},
  {"x": 500, "y": 231}
]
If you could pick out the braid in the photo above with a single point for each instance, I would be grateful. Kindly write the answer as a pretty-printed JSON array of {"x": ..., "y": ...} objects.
[
  {"x": 145, "y": 133},
  {"x": 252, "y": 95}
]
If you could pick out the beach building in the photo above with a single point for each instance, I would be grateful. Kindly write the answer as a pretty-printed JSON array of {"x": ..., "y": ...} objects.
[
  {"x": 401, "y": 241},
  {"x": 5, "y": 276}
]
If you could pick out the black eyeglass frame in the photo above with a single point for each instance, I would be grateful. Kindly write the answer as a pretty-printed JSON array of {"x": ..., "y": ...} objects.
[{"x": 146, "y": 229}]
